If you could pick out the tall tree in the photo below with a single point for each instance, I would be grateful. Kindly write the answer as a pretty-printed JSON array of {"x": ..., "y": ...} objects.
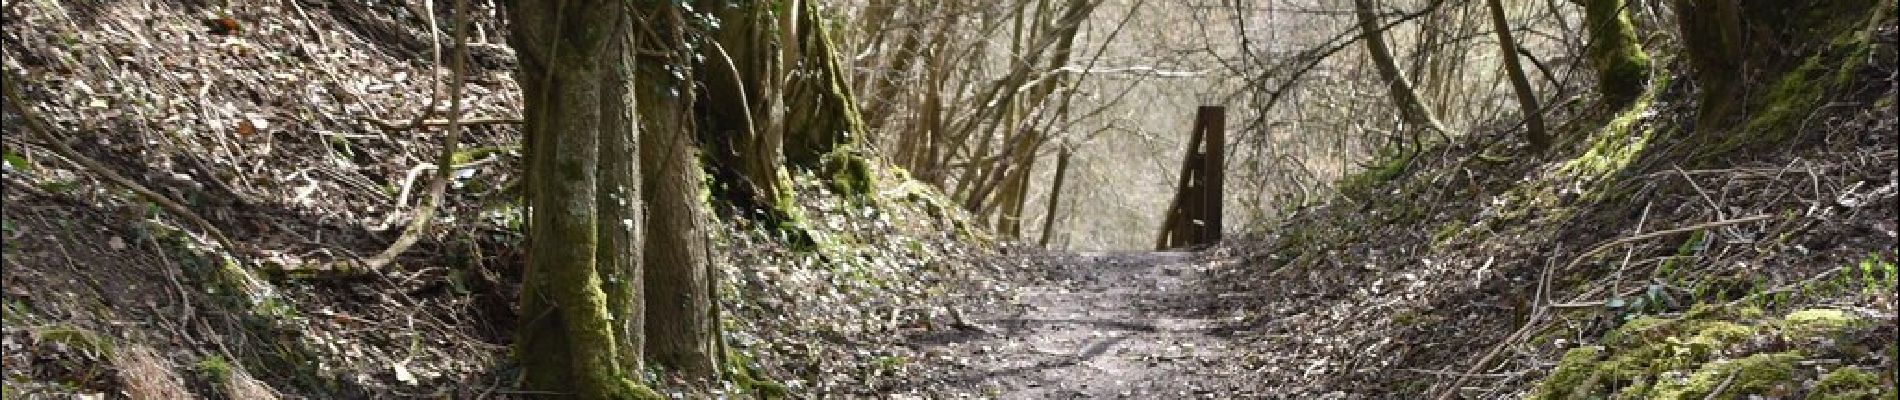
[
  {"x": 583, "y": 317},
  {"x": 823, "y": 132},
  {"x": 1526, "y": 97},
  {"x": 740, "y": 113},
  {"x": 678, "y": 279}
]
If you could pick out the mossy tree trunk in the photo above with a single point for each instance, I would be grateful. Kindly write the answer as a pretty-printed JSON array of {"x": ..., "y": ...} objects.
[
  {"x": 1762, "y": 67},
  {"x": 582, "y": 317},
  {"x": 1712, "y": 40},
  {"x": 739, "y": 127},
  {"x": 1622, "y": 66},
  {"x": 678, "y": 290},
  {"x": 1411, "y": 109},
  {"x": 823, "y": 129}
]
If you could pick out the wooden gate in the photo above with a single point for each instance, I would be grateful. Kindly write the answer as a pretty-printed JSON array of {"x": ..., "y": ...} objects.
[{"x": 1194, "y": 216}]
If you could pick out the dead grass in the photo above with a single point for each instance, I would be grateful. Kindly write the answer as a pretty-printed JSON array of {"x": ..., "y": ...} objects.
[{"x": 146, "y": 375}]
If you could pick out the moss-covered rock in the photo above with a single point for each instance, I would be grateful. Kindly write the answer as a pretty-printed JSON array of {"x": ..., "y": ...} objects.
[
  {"x": 1818, "y": 323},
  {"x": 1849, "y": 383},
  {"x": 1574, "y": 376},
  {"x": 1641, "y": 358},
  {"x": 1708, "y": 352},
  {"x": 1731, "y": 378}
]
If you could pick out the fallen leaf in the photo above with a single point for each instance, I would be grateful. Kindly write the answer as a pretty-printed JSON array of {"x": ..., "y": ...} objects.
[{"x": 402, "y": 374}]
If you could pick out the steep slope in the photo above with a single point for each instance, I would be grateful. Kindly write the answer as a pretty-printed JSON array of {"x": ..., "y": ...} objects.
[
  {"x": 1647, "y": 257},
  {"x": 302, "y": 136}
]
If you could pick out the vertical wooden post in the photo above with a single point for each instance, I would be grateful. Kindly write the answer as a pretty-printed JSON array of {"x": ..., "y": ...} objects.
[
  {"x": 1194, "y": 217},
  {"x": 1213, "y": 123}
]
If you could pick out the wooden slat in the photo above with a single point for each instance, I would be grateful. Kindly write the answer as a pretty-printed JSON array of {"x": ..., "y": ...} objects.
[{"x": 1200, "y": 190}]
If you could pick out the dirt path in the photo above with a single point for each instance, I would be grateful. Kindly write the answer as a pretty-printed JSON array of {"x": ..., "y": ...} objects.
[{"x": 1101, "y": 325}]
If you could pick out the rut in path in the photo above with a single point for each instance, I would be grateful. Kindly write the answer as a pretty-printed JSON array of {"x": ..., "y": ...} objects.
[{"x": 1103, "y": 325}]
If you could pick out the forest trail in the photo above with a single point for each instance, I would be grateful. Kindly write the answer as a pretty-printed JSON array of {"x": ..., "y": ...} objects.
[{"x": 1103, "y": 325}]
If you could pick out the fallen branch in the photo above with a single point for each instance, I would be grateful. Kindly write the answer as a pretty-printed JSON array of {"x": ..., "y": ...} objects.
[
  {"x": 392, "y": 125},
  {"x": 1652, "y": 235},
  {"x": 36, "y": 123}
]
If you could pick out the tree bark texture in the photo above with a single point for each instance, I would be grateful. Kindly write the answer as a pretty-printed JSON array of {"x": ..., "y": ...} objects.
[
  {"x": 1763, "y": 67},
  {"x": 1622, "y": 66},
  {"x": 735, "y": 113},
  {"x": 822, "y": 132},
  {"x": 1055, "y": 197},
  {"x": 581, "y": 325},
  {"x": 678, "y": 300}
]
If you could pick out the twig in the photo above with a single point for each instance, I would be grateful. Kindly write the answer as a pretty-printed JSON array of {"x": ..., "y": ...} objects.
[
  {"x": 1788, "y": 287},
  {"x": 1713, "y": 394},
  {"x": 409, "y": 179},
  {"x": 35, "y": 122},
  {"x": 452, "y": 120},
  {"x": 1449, "y": 373},
  {"x": 445, "y": 161},
  {"x": 1616, "y": 286},
  {"x": 1652, "y": 235},
  {"x": 1698, "y": 190},
  {"x": 171, "y": 273}
]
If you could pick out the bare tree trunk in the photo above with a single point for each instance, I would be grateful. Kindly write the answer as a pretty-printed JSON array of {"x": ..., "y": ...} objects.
[
  {"x": 1410, "y": 107},
  {"x": 579, "y": 331},
  {"x": 1016, "y": 185},
  {"x": 882, "y": 84},
  {"x": 676, "y": 273},
  {"x": 1526, "y": 96},
  {"x": 1055, "y": 197}
]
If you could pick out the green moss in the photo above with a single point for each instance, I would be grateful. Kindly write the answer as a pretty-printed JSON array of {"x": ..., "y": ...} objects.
[
  {"x": 1387, "y": 165},
  {"x": 1878, "y": 275},
  {"x": 1817, "y": 324},
  {"x": 1655, "y": 357},
  {"x": 1836, "y": 52},
  {"x": 76, "y": 338},
  {"x": 214, "y": 368},
  {"x": 1635, "y": 331},
  {"x": 1578, "y": 370},
  {"x": 1618, "y": 143},
  {"x": 1415, "y": 318},
  {"x": 1755, "y": 374},
  {"x": 849, "y": 174},
  {"x": 745, "y": 373},
  {"x": 1688, "y": 248},
  {"x": 1622, "y": 66},
  {"x": 1787, "y": 102},
  {"x": 468, "y": 155},
  {"x": 1849, "y": 383},
  {"x": 1447, "y": 232}
]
